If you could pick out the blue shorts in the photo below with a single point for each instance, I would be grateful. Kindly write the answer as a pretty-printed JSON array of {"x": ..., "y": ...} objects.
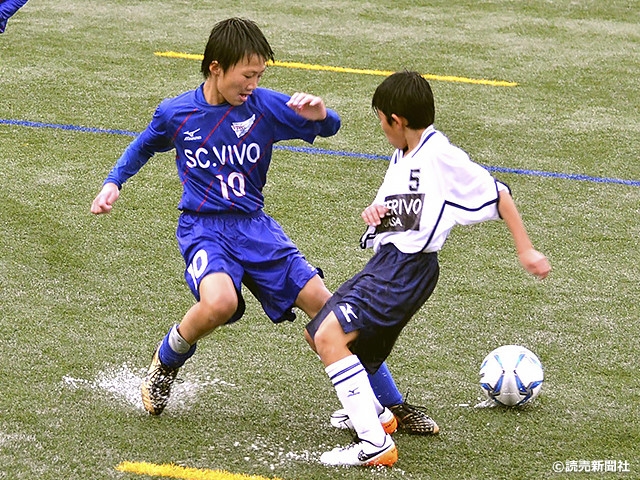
[
  {"x": 380, "y": 300},
  {"x": 252, "y": 249}
]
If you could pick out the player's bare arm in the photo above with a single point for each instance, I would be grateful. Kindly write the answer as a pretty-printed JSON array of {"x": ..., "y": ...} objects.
[
  {"x": 532, "y": 261},
  {"x": 373, "y": 214},
  {"x": 308, "y": 106},
  {"x": 103, "y": 203}
]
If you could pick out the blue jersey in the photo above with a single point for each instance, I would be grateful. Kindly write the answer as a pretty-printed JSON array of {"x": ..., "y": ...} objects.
[
  {"x": 223, "y": 152},
  {"x": 8, "y": 8}
]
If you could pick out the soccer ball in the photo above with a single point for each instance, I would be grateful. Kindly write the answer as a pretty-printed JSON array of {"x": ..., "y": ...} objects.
[{"x": 511, "y": 375}]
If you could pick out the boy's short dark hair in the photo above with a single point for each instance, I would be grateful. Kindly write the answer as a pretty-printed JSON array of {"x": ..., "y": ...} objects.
[
  {"x": 232, "y": 40},
  {"x": 408, "y": 95}
]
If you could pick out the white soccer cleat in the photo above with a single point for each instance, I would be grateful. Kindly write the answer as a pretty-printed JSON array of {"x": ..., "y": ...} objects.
[
  {"x": 340, "y": 419},
  {"x": 363, "y": 453}
]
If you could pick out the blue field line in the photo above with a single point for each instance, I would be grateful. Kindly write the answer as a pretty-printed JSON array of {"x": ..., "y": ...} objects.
[
  {"x": 75, "y": 128},
  {"x": 322, "y": 151},
  {"x": 565, "y": 176}
]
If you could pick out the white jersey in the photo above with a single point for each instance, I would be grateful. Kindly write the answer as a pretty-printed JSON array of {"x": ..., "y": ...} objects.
[{"x": 428, "y": 191}]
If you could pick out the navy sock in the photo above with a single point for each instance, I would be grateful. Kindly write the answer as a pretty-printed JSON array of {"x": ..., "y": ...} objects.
[{"x": 385, "y": 387}]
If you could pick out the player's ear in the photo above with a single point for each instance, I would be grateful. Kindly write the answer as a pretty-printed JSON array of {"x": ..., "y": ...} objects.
[
  {"x": 215, "y": 68},
  {"x": 401, "y": 121}
]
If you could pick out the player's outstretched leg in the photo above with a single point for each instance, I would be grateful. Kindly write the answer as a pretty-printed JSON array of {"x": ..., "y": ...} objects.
[
  {"x": 340, "y": 419},
  {"x": 410, "y": 418},
  {"x": 413, "y": 419},
  {"x": 166, "y": 361}
]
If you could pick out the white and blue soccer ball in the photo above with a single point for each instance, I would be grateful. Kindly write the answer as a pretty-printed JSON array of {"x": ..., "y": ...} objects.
[{"x": 511, "y": 375}]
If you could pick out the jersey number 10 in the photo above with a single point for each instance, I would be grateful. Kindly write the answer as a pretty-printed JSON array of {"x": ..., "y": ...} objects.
[{"x": 235, "y": 182}]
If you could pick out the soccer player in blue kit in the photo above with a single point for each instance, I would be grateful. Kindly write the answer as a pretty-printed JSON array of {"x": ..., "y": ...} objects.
[
  {"x": 430, "y": 186},
  {"x": 8, "y": 8},
  {"x": 223, "y": 133}
]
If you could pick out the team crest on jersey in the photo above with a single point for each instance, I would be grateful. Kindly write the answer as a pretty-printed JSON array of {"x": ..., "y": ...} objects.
[
  {"x": 240, "y": 128},
  {"x": 404, "y": 213}
]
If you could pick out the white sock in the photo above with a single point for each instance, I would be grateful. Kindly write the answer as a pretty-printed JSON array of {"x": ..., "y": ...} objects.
[
  {"x": 352, "y": 385},
  {"x": 176, "y": 342}
]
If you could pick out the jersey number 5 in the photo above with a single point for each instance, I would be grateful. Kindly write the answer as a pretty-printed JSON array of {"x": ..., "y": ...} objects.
[{"x": 414, "y": 179}]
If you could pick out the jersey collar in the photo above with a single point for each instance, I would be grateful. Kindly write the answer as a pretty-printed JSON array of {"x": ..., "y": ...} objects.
[{"x": 424, "y": 138}]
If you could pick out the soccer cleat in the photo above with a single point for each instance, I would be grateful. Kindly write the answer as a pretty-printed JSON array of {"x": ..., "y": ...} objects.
[
  {"x": 363, "y": 453},
  {"x": 156, "y": 387},
  {"x": 340, "y": 419},
  {"x": 414, "y": 420}
]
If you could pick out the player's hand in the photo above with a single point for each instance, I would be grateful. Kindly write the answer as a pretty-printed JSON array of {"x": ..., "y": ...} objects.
[
  {"x": 373, "y": 214},
  {"x": 535, "y": 263},
  {"x": 308, "y": 106},
  {"x": 103, "y": 203}
]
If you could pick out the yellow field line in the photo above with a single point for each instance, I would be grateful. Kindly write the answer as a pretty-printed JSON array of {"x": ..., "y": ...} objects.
[
  {"x": 183, "y": 473},
  {"x": 383, "y": 73}
]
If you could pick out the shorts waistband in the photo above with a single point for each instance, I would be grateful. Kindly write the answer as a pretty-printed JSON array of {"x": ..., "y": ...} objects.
[{"x": 226, "y": 214}]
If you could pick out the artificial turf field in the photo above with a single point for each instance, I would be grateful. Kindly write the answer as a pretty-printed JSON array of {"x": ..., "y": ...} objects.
[{"x": 544, "y": 93}]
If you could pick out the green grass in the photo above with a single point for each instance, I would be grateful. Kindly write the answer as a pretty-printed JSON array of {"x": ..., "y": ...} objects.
[{"x": 85, "y": 299}]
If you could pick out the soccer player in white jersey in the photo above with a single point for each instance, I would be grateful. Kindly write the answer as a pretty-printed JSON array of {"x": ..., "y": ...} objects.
[
  {"x": 430, "y": 186},
  {"x": 223, "y": 133}
]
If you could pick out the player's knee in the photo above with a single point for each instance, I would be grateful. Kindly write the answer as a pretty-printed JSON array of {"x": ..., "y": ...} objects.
[
  {"x": 218, "y": 300},
  {"x": 218, "y": 309},
  {"x": 323, "y": 341},
  {"x": 329, "y": 340}
]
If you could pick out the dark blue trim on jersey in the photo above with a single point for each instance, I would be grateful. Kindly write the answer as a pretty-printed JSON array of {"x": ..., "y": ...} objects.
[
  {"x": 322, "y": 151},
  {"x": 455, "y": 205},
  {"x": 396, "y": 154},
  {"x": 426, "y": 140}
]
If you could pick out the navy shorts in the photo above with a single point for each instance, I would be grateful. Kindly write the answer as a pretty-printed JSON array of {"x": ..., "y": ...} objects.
[
  {"x": 252, "y": 249},
  {"x": 380, "y": 300}
]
